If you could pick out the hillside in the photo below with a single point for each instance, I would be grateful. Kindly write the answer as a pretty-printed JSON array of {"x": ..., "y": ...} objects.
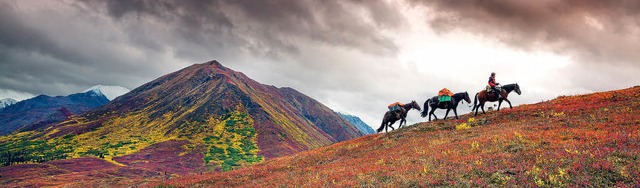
[
  {"x": 201, "y": 118},
  {"x": 43, "y": 110},
  {"x": 586, "y": 141}
]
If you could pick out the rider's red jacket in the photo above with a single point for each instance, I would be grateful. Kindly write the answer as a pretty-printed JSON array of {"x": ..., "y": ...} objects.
[{"x": 492, "y": 81}]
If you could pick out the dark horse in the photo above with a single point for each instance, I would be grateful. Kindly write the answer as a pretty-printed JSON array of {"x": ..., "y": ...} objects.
[
  {"x": 390, "y": 117},
  {"x": 451, "y": 105},
  {"x": 483, "y": 97}
]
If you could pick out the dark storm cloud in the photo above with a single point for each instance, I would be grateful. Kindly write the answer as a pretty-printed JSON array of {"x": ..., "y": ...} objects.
[
  {"x": 18, "y": 36},
  {"x": 591, "y": 30},
  {"x": 271, "y": 28},
  {"x": 61, "y": 47},
  {"x": 58, "y": 52}
]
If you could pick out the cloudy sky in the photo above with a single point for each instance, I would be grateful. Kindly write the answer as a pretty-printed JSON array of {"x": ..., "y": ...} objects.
[{"x": 355, "y": 56}]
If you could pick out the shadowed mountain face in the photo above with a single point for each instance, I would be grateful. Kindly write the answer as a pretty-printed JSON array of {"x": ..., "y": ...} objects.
[
  {"x": 41, "y": 111},
  {"x": 358, "y": 123},
  {"x": 207, "y": 110}
]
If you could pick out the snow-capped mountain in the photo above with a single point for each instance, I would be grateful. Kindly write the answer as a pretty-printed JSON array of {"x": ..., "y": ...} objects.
[
  {"x": 111, "y": 92},
  {"x": 7, "y": 102}
]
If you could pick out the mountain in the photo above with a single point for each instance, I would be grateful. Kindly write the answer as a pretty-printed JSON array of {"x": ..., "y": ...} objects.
[
  {"x": 7, "y": 102},
  {"x": 43, "y": 110},
  {"x": 358, "y": 123},
  {"x": 203, "y": 117},
  {"x": 572, "y": 141},
  {"x": 111, "y": 92}
]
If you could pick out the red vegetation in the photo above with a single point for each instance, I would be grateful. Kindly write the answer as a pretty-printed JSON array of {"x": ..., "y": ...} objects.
[
  {"x": 588, "y": 140},
  {"x": 163, "y": 160},
  {"x": 166, "y": 157}
]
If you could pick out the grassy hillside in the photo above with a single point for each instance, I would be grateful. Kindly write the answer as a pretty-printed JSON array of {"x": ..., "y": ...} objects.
[{"x": 587, "y": 140}]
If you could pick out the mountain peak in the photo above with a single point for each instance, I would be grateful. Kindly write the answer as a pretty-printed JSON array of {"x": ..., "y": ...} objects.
[
  {"x": 214, "y": 63},
  {"x": 7, "y": 102},
  {"x": 95, "y": 92},
  {"x": 111, "y": 92}
]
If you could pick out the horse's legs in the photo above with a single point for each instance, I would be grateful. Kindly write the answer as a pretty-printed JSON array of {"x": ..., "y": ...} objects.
[
  {"x": 401, "y": 121},
  {"x": 510, "y": 107},
  {"x": 391, "y": 125},
  {"x": 499, "y": 103},
  {"x": 476, "y": 106},
  {"x": 483, "y": 108},
  {"x": 455, "y": 111},
  {"x": 446, "y": 114},
  {"x": 431, "y": 113}
]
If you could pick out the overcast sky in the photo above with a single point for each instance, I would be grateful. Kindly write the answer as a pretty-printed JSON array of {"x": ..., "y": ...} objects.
[{"x": 355, "y": 56}]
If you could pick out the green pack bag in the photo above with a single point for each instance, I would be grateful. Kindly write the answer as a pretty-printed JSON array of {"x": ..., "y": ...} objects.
[{"x": 444, "y": 98}]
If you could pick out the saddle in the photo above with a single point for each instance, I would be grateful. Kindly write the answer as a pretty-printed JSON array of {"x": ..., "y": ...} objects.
[
  {"x": 444, "y": 95},
  {"x": 396, "y": 106},
  {"x": 489, "y": 90}
]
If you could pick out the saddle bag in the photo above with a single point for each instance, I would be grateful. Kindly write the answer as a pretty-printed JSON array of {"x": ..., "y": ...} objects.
[{"x": 444, "y": 98}]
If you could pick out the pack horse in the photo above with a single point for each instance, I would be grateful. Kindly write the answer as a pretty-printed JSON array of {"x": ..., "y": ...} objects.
[
  {"x": 393, "y": 115},
  {"x": 442, "y": 103}
]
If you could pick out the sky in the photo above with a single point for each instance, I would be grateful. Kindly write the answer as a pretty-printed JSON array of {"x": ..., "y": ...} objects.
[{"x": 355, "y": 56}]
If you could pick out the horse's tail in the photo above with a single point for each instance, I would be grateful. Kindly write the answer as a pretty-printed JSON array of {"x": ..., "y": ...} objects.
[
  {"x": 475, "y": 102},
  {"x": 384, "y": 122},
  {"x": 426, "y": 108}
]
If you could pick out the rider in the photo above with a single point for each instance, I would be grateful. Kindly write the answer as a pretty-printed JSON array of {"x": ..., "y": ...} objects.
[{"x": 493, "y": 83}]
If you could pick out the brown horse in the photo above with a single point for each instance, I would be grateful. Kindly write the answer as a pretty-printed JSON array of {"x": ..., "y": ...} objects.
[
  {"x": 483, "y": 97},
  {"x": 390, "y": 117}
]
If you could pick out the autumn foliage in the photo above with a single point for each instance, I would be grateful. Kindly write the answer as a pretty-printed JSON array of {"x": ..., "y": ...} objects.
[{"x": 578, "y": 141}]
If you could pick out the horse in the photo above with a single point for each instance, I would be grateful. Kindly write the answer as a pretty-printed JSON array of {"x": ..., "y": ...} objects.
[
  {"x": 483, "y": 97},
  {"x": 451, "y": 105},
  {"x": 390, "y": 117}
]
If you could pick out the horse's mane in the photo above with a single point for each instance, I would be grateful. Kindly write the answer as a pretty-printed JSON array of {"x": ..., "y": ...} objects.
[
  {"x": 509, "y": 87},
  {"x": 461, "y": 94},
  {"x": 409, "y": 103}
]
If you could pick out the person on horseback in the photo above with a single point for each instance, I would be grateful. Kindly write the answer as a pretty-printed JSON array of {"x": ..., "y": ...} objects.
[
  {"x": 397, "y": 109},
  {"x": 493, "y": 84}
]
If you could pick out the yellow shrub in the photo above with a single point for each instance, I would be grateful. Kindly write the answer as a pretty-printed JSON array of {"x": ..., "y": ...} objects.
[{"x": 462, "y": 126}]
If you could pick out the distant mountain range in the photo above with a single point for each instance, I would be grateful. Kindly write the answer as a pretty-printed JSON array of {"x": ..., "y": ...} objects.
[
  {"x": 7, "y": 102},
  {"x": 357, "y": 122},
  {"x": 43, "y": 110},
  {"x": 205, "y": 110}
]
